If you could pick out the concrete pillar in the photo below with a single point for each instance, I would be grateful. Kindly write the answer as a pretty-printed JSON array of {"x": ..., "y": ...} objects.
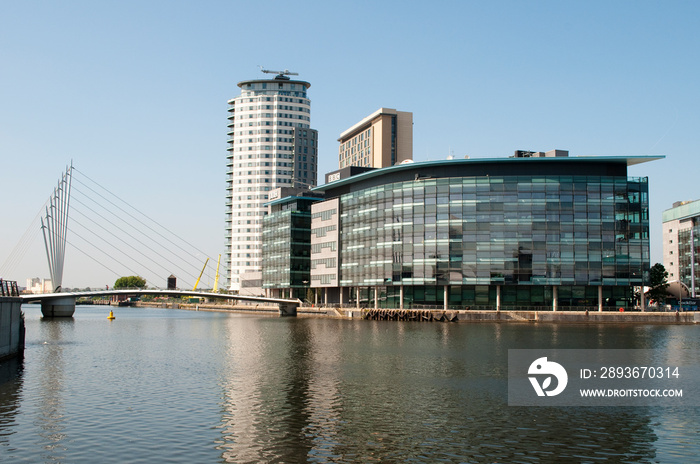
[
  {"x": 401, "y": 297},
  {"x": 315, "y": 297},
  {"x": 642, "y": 300},
  {"x": 498, "y": 297},
  {"x": 555, "y": 296},
  {"x": 446, "y": 296},
  {"x": 325, "y": 295},
  {"x": 340, "y": 290},
  {"x": 600, "y": 298},
  {"x": 63, "y": 306},
  {"x": 376, "y": 297},
  {"x": 357, "y": 297}
]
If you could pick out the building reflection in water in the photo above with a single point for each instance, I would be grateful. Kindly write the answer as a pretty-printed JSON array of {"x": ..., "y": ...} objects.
[
  {"x": 283, "y": 410},
  {"x": 379, "y": 391}
]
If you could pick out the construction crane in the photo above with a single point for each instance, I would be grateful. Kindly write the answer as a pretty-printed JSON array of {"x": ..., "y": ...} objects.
[
  {"x": 280, "y": 74},
  {"x": 216, "y": 279},
  {"x": 200, "y": 275}
]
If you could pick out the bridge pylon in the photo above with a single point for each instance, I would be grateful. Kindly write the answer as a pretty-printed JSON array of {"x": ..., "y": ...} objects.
[{"x": 55, "y": 227}]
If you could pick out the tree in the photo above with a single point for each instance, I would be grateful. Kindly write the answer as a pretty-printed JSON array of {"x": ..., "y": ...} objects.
[
  {"x": 658, "y": 283},
  {"x": 310, "y": 296},
  {"x": 130, "y": 282}
]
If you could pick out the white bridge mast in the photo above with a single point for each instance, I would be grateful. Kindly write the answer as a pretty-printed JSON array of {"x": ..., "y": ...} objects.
[{"x": 55, "y": 226}]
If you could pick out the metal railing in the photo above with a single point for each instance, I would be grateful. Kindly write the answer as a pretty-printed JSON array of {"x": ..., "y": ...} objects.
[{"x": 8, "y": 288}]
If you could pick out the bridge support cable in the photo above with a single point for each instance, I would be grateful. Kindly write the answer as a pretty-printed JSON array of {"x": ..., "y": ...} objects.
[
  {"x": 23, "y": 245},
  {"x": 100, "y": 250},
  {"x": 55, "y": 227},
  {"x": 141, "y": 222},
  {"x": 117, "y": 274},
  {"x": 140, "y": 265},
  {"x": 119, "y": 234},
  {"x": 117, "y": 217},
  {"x": 114, "y": 225}
]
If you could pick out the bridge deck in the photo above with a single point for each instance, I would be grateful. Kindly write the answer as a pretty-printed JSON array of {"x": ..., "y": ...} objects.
[{"x": 260, "y": 299}]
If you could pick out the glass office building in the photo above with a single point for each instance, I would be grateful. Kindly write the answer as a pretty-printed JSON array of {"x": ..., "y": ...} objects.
[
  {"x": 286, "y": 247},
  {"x": 549, "y": 233}
]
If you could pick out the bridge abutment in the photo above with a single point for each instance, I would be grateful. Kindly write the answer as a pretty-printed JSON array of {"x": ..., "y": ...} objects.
[
  {"x": 288, "y": 309},
  {"x": 63, "y": 306},
  {"x": 11, "y": 327}
]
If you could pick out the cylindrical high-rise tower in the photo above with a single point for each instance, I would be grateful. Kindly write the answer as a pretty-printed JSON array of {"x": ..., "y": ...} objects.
[{"x": 270, "y": 145}]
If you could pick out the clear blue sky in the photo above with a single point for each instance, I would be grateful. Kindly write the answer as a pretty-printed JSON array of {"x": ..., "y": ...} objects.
[{"x": 135, "y": 92}]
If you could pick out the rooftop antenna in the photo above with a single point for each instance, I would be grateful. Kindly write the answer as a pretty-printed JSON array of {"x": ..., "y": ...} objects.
[{"x": 280, "y": 74}]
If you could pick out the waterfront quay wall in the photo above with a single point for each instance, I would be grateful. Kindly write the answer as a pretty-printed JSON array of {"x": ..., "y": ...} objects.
[
  {"x": 525, "y": 316},
  {"x": 11, "y": 327},
  {"x": 432, "y": 315}
]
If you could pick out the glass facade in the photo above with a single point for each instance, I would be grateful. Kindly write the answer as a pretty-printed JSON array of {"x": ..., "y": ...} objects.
[
  {"x": 286, "y": 247},
  {"x": 524, "y": 234},
  {"x": 688, "y": 256}
]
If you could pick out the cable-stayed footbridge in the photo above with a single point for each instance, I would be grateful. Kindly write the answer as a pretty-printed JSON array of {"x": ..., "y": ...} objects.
[
  {"x": 62, "y": 304},
  {"x": 114, "y": 234}
]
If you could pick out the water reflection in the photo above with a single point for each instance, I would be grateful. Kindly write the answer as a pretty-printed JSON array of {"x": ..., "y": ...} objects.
[
  {"x": 11, "y": 381},
  {"x": 51, "y": 420},
  {"x": 283, "y": 410},
  {"x": 391, "y": 392},
  {"x": 197, "y": 387},
  {"x": 241, "y": 397}
]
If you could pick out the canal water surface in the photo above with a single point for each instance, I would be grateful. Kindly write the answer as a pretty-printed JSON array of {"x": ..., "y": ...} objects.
[{"x": 163, "y": 385}]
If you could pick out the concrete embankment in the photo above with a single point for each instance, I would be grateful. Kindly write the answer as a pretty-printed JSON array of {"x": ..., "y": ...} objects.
[
  {"x": 424, "y": 315},
  {"x": 11, "y": 327}
]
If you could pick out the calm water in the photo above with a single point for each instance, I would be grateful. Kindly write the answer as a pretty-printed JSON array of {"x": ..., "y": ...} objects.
[{"x": 161, "y": 385}]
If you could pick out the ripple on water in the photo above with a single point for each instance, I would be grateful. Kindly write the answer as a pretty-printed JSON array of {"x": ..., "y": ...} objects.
[{"x": 176, "y": 386}]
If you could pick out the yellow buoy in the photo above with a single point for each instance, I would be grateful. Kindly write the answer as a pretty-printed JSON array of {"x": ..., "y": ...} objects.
[{"x": 111, "y": 316}]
